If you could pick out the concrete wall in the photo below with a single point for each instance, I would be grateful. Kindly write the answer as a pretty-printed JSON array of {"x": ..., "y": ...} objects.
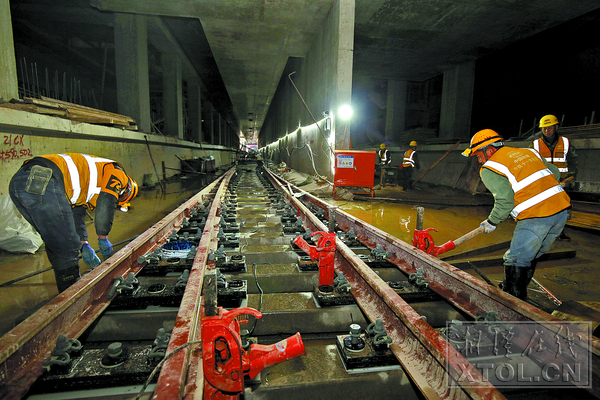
[
  {"x": 24, "y": 135},
  {"x": 324, "y": 79},
  {"x": 463, "y": 173}
]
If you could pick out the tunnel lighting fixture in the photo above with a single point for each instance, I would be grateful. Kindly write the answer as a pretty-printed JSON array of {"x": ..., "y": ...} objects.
[{"x": 345, "y": 112}]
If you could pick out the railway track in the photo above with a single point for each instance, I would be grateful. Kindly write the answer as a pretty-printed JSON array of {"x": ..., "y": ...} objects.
[{"x": 249, "y": 262}]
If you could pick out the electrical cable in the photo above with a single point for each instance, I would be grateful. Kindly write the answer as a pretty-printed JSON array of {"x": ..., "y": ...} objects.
[
  {"x": 312, "y": 160},
  {"x": 308, "y": 109},
  {"x": 160, "y": 364},
  {"x": 49, "y": 268},
  {"x": 260, "y": 299}
]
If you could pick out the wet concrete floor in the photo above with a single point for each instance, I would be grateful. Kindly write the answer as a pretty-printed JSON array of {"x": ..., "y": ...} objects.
[{"x": 575, "y": 279}]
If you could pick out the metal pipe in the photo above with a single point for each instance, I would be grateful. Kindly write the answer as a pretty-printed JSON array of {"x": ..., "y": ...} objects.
[
  {"x": 37, "y": 80},
  {"x": 26, "y": 77},
  {"x": 550, "y": 295},
  {"x": 154, "y": 165}
]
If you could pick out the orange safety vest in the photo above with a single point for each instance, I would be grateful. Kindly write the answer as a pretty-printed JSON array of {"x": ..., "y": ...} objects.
[
  {"x": 537, "y": 192},
  {"x": 408, "y": 159},
  {"x": 86, "y": 176},
  {"x": 558, "y": 157}
]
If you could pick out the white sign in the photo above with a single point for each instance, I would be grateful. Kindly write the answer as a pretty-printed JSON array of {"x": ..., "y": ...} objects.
[{"x": 345, "y": 161}]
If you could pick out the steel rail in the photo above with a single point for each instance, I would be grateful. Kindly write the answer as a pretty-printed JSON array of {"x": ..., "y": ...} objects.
[
  {"x": 174, "y": 381},
  {"x": 471, "y": 294},
  {"x": 24, "y": 348},
  {"x": 464, "y": 291},
  {"x": 418, "y": 347}
]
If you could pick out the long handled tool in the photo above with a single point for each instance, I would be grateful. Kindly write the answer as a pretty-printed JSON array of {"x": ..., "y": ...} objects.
[{"x": 422, "y": 240}]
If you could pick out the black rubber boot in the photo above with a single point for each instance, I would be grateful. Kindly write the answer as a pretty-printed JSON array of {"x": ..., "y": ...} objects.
[
  {"x": 509, "y": 283},
  {"x": 523, "y": 276},
  {"x": 66, "y": 277}
]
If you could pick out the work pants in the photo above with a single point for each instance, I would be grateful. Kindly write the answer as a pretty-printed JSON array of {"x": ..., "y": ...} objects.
[
  {"x": 406, "y": 178},
  {"x": 533, "y": 237},
  {"x": 51, "y": 215}
]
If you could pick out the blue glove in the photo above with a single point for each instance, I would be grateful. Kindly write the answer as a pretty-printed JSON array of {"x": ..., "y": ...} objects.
[
  {"x": 487, "y": 226},
  {"x": 105, "y": 247},
  {"x": 89, "y": 256}
]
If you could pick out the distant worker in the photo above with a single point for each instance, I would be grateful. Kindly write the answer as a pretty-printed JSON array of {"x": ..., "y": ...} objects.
[
  {"x": 557, "y": 150},
  {"x": 410, "y": 162},
  {"x": 525, "y": 186},
  {"x": 385, "y": 160},
  {"x": 53, "y": 192}
]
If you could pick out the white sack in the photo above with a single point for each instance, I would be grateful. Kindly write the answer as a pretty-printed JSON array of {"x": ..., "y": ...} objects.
[{"x": 16, "y": 234}]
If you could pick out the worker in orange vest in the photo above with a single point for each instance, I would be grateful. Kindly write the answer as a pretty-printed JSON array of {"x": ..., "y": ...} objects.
[
  {"x": 525, "y": 186},
  {"x": 53, "y": 193},
  {"x": 557, "y": 150},
  {"x": 410, "y": 162}
]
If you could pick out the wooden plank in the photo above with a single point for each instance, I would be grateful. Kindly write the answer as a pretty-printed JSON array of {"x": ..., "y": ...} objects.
[
  {"x": 584, "y": 220},
  {"x": 65, "y": 104}
]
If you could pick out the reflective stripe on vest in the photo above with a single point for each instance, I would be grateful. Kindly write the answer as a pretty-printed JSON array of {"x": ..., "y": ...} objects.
[
  {"x": 408, "y": 160},
  {"x": 545, "y": 195},
  {"x": 516, "y": 186},
  {"x": 562, "y": 147},
  {"x": 383, "y": 155},
  {"x": 93, "y": 185},
  {"x": 536, "y": 185},
  {"x": 74, "y": 175}
]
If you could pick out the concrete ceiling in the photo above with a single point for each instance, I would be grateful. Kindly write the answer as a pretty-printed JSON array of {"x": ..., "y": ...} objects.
[{"x": 239, "y": 48}]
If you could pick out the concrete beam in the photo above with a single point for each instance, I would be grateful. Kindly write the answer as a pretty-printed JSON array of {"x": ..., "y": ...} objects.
[
  {"x": 172, "y": 95},
  {"x": 457, "y": 101},
  {"x": 163, "y": 39},
  {"x": 131, "y": 55},
  {"x": 395, "y": 118},
  {"x": 9, "y": 86},
  {"x": 195, "y": 111}
]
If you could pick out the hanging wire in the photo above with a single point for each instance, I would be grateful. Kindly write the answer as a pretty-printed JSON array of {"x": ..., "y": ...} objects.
[{"x": 311, "y": 114}]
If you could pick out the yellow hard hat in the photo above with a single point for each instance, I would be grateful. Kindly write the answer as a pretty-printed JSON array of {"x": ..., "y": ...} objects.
[
  {"x": 382, "y": 146},
  {"x": 129, "y": 192},
  {"x": 548, "y": 120},
  {"x": 412, "y": 143},
  {"x": 481, "y": 139}
]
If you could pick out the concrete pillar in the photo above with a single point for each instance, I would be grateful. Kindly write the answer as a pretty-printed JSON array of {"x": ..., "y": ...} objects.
[
  {"x": 195, "y": 111},
  {"x": 131, "y": 58},
  {"x": 220, "y": 129},
  {"x": 9, "y": 86},
  {"x": 212, "y": 125},
  {"x": 457, "y": 101},
  {"x": 395, "y": 118},
  {"x": 341, "y": 24},
  {"x": 172, "y": 95}
]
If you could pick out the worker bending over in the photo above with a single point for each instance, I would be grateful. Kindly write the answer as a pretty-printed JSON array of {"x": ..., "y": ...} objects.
[
  {"x": 525, "y": 186},
  {"x": 53, "y": 192},
  {"x": 410, "y": 162}
]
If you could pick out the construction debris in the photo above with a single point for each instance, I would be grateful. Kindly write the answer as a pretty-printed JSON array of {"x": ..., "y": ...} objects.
[{"x": 74, "y": 112}]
